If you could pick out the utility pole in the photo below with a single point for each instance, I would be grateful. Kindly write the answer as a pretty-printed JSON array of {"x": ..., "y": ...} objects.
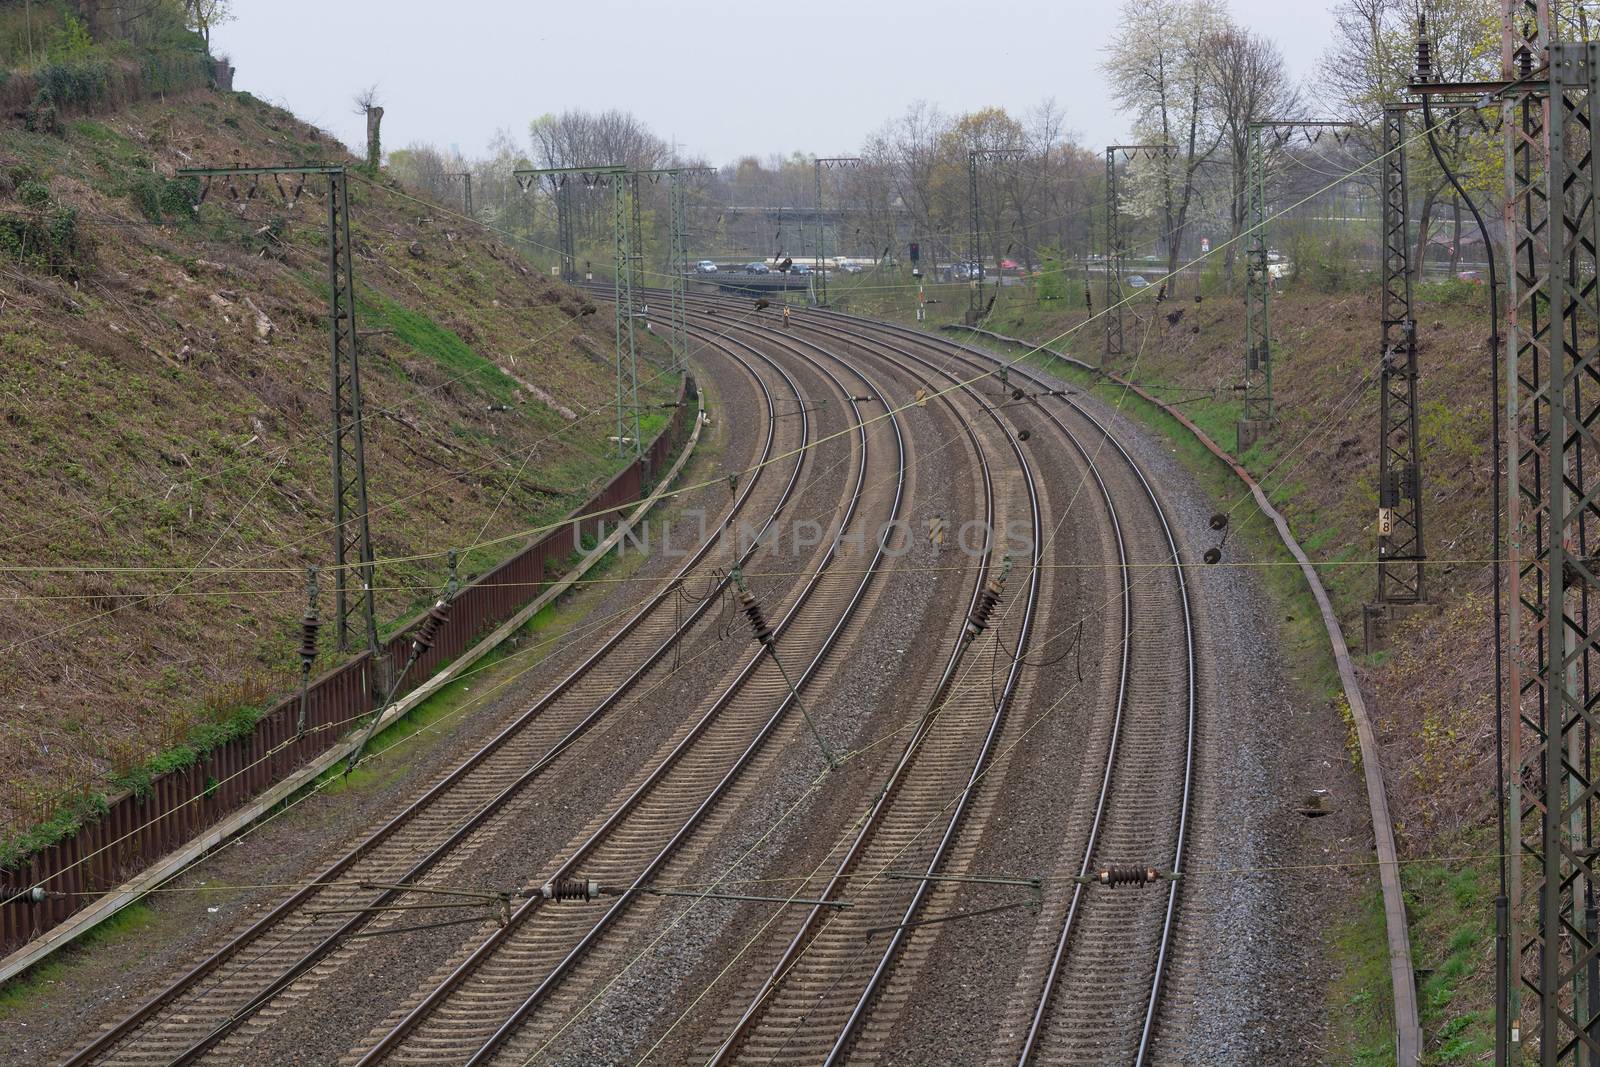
[
  {"x": 627, "y": 349},
  {"x": 1257, "y": 388},
  {"x": 466, "y": 190},
  {"x": 1400, "y": 541},
  {"x": 975, "y": 306},
  {"x": 1553, "y": 309},
  {"x": 352, "y": 531},
  {"x": 819, "y": 278},
  {"x": 1116, "y": 248},
  {"x": 561, "y": 193},
  {"x": 678, "y": 254}
]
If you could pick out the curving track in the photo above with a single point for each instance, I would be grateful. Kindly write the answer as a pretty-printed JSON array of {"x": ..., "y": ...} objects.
[{"x": 804, "y": 983}]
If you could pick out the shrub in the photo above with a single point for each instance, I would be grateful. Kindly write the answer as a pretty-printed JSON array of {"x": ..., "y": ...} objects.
[
  {"x": 34, "y": 195},
  {"x": 79, "y": 83},
  {"x": 1052, "y": 283}
]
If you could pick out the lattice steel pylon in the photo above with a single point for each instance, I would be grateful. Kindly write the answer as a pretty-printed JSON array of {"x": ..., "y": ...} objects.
[
  {"x": 1116, "y": 249},
  {"x": 1257, "y": 385},
  {"x": 352, "y": 527},
  {"x": 819, "y": 275},
  {"x": 1400, "y": 541},
  {"x": 466, "y": 190},
  {"x": 678, "y": 253},
  {"x": 679, "y": 269},
  {"x": 975, "y": 306},
  {"x": 1257, "y": 287},
  {"x": 1554, "y": 402},
  {"x": 564, "y": 229},
  {"x": 622, "y": 294}
]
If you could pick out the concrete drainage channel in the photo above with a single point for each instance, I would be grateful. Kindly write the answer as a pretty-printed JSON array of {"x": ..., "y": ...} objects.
[{"x": 176, "y": 862}]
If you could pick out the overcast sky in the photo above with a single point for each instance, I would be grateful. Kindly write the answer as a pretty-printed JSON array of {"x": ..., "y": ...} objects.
[{"x": 722, "y": 79}]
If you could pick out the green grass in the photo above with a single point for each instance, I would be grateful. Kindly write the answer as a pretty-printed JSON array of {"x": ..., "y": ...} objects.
[
  {"x": 1362, "y": 1027},
  {"x": 21, "y": 992},
  {"x": 1452, "y": 939},
  {"x": 439, "y": 344}
]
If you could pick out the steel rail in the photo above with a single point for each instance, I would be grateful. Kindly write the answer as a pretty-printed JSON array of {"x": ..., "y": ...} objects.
[
  {"x": 1041, "y": 1012},
  {"x": 499, "y": 937},
  {"x": 884, "y": 799},
  {"x": 106, "y": 1041}
]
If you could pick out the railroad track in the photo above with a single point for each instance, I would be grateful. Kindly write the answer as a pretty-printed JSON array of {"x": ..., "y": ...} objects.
[
  {"x": 506, "y": 999},
  {"x": 1092, "y": 999},
  {"x": 1098, "y": 996},
  {"x": 422, "y": 844},
  {"x": 805, "y": 1009}
]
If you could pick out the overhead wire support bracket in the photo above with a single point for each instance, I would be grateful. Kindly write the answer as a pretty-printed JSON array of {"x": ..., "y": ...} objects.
[
  {"x": 819, "y": 276},
  {"x": 975, "y": 305},
  {"x": 351, "y": 522},
  {"x": 422, "y": 639},
  {"x": 1116, "y": 244}
]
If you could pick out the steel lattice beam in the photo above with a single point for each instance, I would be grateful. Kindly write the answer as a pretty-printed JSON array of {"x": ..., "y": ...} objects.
[
  {"x": 1400, "y": 540},
  {"x": 352, "y": 529},
  {"x": 819, "y": 276},
  {"x": 1554, "y": 373},
  {"x": 975, "y": 223},
  {"x": 1116, "y": 249}
]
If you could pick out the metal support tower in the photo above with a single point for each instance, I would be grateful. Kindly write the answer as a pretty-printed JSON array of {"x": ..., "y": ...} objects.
[
  {"x": 679, "y": 269},
  {"x": 819, "y": 277},
  {"x": 564, "y": 230},
  {"x": 352, "y": 530},
  {"x": 1554, "y": 311},
  {"x": 636, "y": 234},
  {"x": 975, "y": 220},
  {"x": 678, "y": 255},
  {"x": 1258, "y": 409},
  {"x": 1116, "y": 249},
  {"x": 627, "y": 350},
  {"x": 1257, "y": 288},
  {"x": 1400, "y": 541}
]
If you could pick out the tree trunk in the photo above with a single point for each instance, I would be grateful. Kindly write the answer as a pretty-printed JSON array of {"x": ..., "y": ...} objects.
[
  {"x": 374, "y": 142},
  {"x": 1424, "y": 223},
  {"x": 1455, "y": 240}
]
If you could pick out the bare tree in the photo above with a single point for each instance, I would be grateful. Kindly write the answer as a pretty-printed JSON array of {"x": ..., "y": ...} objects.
[
  {"x": 1156, "y": 67},
  {"x": 1245, "y": 81}
]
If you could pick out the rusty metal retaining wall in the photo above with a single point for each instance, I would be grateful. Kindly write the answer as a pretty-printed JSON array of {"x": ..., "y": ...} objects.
[{"x": 140, "y": 827}]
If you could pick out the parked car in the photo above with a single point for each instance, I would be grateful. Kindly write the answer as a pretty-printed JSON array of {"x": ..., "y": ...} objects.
[
  {"x": 1137, "y": 281},
  {"x": 851, "y": 268},
  {"x": 757, "y": 268},
  {"x": 800, "y": 268},
  {"x": 705, "y": 266},
  {"x": 1009, "y": 264},
  {"x": 965, "y": 270}
]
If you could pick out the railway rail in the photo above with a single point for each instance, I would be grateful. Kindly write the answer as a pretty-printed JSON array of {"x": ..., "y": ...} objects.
[
  {"x": 528, "y": 962},
  {"x": 1095, "y": 1004},
  {"x": 193, "y": 1014},
  {"x": 1091, "y": 982}
]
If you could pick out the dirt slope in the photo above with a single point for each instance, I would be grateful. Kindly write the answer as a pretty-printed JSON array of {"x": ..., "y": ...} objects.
[{"x": 164, "y": 388}]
